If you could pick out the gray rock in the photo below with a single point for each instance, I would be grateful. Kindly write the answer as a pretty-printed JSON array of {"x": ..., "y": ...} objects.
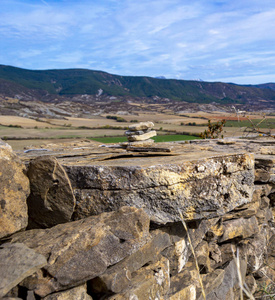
[
  {"x": 17, "y": 262},
  {"x": 258, "y": 247},
  {"x": 211, "y": 281},
  {"x": 202, "y": 188},
  {"x": 179, "y": 253},
  {"x": 51, "y": 200},
  {"x": 150, "y": 282},
  {"x": 119, "y": 277},
  {"x": 265, "y": 168},
  {"x": 79, "y": 251},
  {"x": 137, "y": 132},
  {"x": 230, "y": 279},
  {"x": 11, "y": 298}
]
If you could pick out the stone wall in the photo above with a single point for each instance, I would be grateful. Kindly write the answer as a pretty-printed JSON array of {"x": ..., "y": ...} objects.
[{"x": 80, "y": 221}]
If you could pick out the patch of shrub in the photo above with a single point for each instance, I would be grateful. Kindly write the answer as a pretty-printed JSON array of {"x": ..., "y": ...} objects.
[
  {"x": 118, "y": 119},
  {"x": 15, "y": 126},
  {"x": 214, "y": 130}
]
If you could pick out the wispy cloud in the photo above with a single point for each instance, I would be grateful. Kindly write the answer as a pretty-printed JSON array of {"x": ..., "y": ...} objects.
[{"x": 213, "y": 40}]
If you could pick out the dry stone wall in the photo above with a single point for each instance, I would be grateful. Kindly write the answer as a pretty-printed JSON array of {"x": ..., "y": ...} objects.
[{"x": 80, "y": 221}]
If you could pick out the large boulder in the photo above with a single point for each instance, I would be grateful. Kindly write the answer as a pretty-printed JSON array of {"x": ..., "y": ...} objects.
[
  {"x": 14, "y": 190},
  {"x": 200, "y": 188},
  {"x": 81, "y": 250},
  {"x": 51, "y": 200}
]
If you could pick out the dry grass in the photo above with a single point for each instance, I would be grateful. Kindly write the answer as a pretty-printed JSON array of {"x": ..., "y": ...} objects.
[
  {"x": 70, "y": 127},
  {"x": 95, "y": 121},
  {"x": 58, "y": 133},
  {"x": 24, "y": 122},
  {"x": 160, "y": 118}
]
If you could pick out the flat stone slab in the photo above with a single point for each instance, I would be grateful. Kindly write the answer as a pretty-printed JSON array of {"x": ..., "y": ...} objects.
[
  {"x": 203, "y": 188},
  {"x": 51, "y": 200},
  {"x": 17, "y": 262},
  {"x": 138, "y": 132},
  {"x": 141, "y": 126},
  {"x": 202, "y": 178},
  {"x": 142, "y": 137},
  {"x": 146, "y": 143}
]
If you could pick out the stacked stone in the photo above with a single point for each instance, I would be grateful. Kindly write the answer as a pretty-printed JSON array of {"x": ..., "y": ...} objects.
[
  {"x": 139, "y": 135},
  {"x": 54, "y": 249}
]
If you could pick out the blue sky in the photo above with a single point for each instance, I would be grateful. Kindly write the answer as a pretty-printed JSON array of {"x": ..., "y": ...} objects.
[{"x": 228, "y": 41}]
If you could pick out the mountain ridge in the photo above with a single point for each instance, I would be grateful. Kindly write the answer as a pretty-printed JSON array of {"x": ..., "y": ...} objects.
[{"x": 47, "y": 85}]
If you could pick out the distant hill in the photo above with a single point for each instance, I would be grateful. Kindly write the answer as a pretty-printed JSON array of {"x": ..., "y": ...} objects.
[
  {"x": 47, "y": 84},
  {"x": 269, "y": 85}
]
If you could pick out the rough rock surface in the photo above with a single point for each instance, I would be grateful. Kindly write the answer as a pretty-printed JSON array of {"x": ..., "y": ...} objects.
[
  {"x": 16, "y": 263},
  {"x": 228, "y": 213},
  {"x": 51, "y": 200},
  {"x": 14, "y": 190},
  {"x": 81, "y": 250},
  {"x": 162, "y": 189},
  {"x": 153, "y": 282},
  {"x": 120, "y": 276}
]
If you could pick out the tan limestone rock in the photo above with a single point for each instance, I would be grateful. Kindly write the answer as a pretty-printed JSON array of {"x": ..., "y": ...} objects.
[
  {"x": 210, "y": 282},
  {"x": 215, "y": 253},
  {"x": 187, "y": 293},
  {"x": 185, "y": 283},
  {"x": 77, "y": 293},
  {"x": 267, "y": 150},
  {"x": 14, "y": 190},
  {"x": 163, "y": 188},
  {"x": 151, "y": 282},
  {"x": 146, "y": 143},
  {"x": 227, "y": 252},
  {"x": 265, "y": 168},
  {"x": 202, "y": 256},
  {"x": 241, "y": 228},
  {"x": 141, "y": 126},
  {"x": 258, "y": 247},
  {"x": 81, "y": 250},
  {"x": 251, "y": 283},
  {"x": 17, "y": 262},
  {"x": 51, "y": 200},
  {"x": 142, "y": 137},
  {"x": 179, "y": 253}
]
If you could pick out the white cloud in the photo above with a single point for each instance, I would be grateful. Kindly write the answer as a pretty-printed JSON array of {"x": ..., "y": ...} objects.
[
  {"x": 29, "y": 53},
  {"x": 68, "y": 57},
  {"x": 213, "y": 40}
]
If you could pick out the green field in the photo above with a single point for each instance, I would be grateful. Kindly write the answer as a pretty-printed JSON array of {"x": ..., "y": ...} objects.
[
  {"x": 157, "y": 139},
  {"x": 267, "y": 123}
]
